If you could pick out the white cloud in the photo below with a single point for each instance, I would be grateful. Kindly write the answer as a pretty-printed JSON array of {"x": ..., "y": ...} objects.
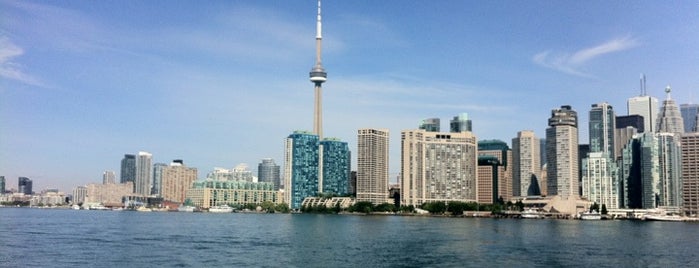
[
  {"x": 570, "y": 63},
  {"x": 8, "y": 68}
]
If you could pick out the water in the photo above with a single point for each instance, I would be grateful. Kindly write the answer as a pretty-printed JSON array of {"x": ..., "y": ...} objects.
[{"x": 64, "y": 238}]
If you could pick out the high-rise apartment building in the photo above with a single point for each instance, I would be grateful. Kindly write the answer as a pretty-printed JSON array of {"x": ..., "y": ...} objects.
[
  {"x": 335, "y": 165},
  {"x": 2, "y": 185},
  {"x": 460, "y": 123},
  {"x": 142, "y": 185},
  {"x": 634, "y": 120},
  {"x": 494, "y": 171},
  {"x": 599, "y": 181},
  {"x": 650, "y": 171},
  {"x": 669, "y": 118},
  {"x": 128, "y": 169},
  {"x": 157, "y": 179},
  {"x": 24, "y": 185},
  {"x": 430, "y": 124},
  {"x": 525, "y": 163},
  {"x": 268, "y": 171},
  {"x": 647, "y": 107},
  {"x": 602, "y": 125},
  {"x": 79, "y": 194},
  {"x": 690, "y": 117},
  {"x": 562, "y": 153},
  {"x": 438, "y": 166},
  {"x": 176, "y": 180},
  {"x": 301, "y": 163},
  {"x": 372, "y": 165},
  {"x": 690, "y": 174},
  {"x": 108, "y": 177}
]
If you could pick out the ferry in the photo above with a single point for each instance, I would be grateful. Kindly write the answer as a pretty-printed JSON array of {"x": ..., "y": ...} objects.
[
  {"x": 531, "y": 214},
  {"x": 591, "y": 216},
  {"x": 221, "y": 209},
  {"x": 652, "y": 217}
]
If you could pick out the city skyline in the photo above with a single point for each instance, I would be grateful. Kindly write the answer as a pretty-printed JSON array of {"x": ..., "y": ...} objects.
[{"x": 94, "y": 81}]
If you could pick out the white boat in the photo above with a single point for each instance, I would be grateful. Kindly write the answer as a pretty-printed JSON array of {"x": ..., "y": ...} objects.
[
  {"x": 76, "y": 207},
  {"x": 531, "y": 214},
  {"x": 143, "y": 209},
  {"x": 98, "y": 207},
  {"x": 652, "y": 217},
  {"x": 590, "y": 216},
  {"x": 221, "y": 209},
  {"x": 186, "y": 208}
]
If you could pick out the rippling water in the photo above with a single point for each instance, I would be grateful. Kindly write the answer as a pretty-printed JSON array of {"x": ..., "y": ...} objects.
[{"x": 62, "y": 238}]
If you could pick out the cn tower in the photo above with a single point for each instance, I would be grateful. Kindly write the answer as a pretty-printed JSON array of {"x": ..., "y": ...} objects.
[{"x": 318, "y": 76}]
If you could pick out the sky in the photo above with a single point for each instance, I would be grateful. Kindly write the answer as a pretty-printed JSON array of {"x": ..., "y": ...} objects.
[{"x": 219, "y": 83}]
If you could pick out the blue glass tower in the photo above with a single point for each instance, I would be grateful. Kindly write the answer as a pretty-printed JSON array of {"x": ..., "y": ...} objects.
[
  {"x": 335, "y": 166},
  {"x": 301, "y": 169}
]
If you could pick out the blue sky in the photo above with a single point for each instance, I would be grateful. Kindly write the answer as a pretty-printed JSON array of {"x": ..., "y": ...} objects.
[{"x": 219, "y": 83}]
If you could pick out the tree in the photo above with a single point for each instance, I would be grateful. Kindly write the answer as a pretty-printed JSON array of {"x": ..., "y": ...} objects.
[
  {"x": 283, "y": 208},
  {"x": 435, "y": 207},
  {"x": 594, "y": 207},
  {"x": 604, "y": 209},
  {"x": 363, "y": 206},
  {"x": 519, "y": 205},
  {"x": 456, "y": 207}
]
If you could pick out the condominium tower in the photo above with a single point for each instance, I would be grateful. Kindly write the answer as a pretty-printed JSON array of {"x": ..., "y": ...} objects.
[
  {"x": 268, "y": 171},
  {"x": 142, "y": 185},
  {"x": 598, "y": 167},
  {"x": 562, "y": 153},
  {"x": 108, "y": 177},
  {"x": 372, "y": 165},
  {"x": 335, "y": 165},
  {"x": 128, "y": 168},
  {"x": 690, "y": 117},
  {"x": 176, "y": 180},
  {"x": 437, "y": 166},
  {"x": 690, "y": 174},
  {"x": 301, "y": 162},
  {"x": 526, "y": 167}
]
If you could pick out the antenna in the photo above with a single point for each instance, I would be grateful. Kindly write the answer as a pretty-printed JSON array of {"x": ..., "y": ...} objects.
[{"x": 643, "y": 85}]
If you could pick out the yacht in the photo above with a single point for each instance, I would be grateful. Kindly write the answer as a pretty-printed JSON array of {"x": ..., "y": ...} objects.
[
  {"x": 531, "y": 214},
  {"x": 186, "y": 208},
  {"x": 221, "y": 209}
]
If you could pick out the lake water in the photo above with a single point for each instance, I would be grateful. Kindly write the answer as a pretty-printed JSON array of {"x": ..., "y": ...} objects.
[{"x": 71, "y": 238}]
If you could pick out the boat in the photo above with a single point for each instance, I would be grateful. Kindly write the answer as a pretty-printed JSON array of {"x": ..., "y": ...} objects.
[
  {"x": 186, "y": 208},
  {"x": 76, "y": 207},
  {"x": 590, "y": 216},
  {"x": 531, "y": 214},
  {"x": 656, "y": 217},
  {"x": 98, "y": 207},
  {"x": 143, "y": 209},
  {"x": 221, "y": 209}
]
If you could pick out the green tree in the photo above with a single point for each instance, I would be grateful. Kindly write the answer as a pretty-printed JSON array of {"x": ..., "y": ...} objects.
[
  {"x": 594, "y": 207},
  {"x": 456, "y": 207},
  {"x": 519, "y": 205},
  {"x": 435, "y": 207},
  {"x": 283, "y": 208},
  {"x": 604, "y": 209},
  {"x": 363, "y": 207}
]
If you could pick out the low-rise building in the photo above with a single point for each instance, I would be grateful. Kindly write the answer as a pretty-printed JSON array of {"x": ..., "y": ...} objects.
[
  {"x": 344, "y": 202},
  {"x": 208, "y": 193}
]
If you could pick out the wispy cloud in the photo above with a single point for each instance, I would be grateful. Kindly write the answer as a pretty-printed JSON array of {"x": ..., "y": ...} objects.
[
  {"x": 570, "y": 63},
  {"x": 10, "y": 69}
]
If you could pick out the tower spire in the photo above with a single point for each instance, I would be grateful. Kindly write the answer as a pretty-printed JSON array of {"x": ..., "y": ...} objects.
[{"x": 318, "y": 77}]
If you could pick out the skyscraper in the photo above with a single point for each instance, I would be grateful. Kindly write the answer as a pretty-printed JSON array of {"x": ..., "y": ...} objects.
[
  {"x": 176, "y": 180},
  {"x": 268, "y": 171},
  {"x": 157, "y": 179},
  {"x": 599, "y": 181},
  {"x": 494, "y": 171},
  {"x": 669, "y": 163},
  {"x": 335, "y": 167},
  {"x": 142, "y": 185},
  {"x": 602, "y": 124},
  {"x": 525, "y": 163},
  {"x": 690, "y": 116},
  {"x": 301, "y": 164},
  {"x": 318, "y": 77},
  {"x": 634, "y": 120},
  {"x": 438, "y": 167},
  {"x": 647, "y": 107},
  {"x": 24, "y": 185},
  {"x": 2, "y": 184},
  {"x": 128, "y": 168},
  {"x": 562, "y": 153},
  {"x": 430, "y": 124},
  {"x": 372, "y": 165},
  {"x": 108, "y": 177},
  {"x": 690, "y": 174},
  {"x": 669, "y": 118},
  {"x": 460, "y": 123}
]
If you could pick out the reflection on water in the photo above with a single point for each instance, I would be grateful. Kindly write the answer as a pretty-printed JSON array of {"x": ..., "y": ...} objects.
[{"x": 43, "y": 238}]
